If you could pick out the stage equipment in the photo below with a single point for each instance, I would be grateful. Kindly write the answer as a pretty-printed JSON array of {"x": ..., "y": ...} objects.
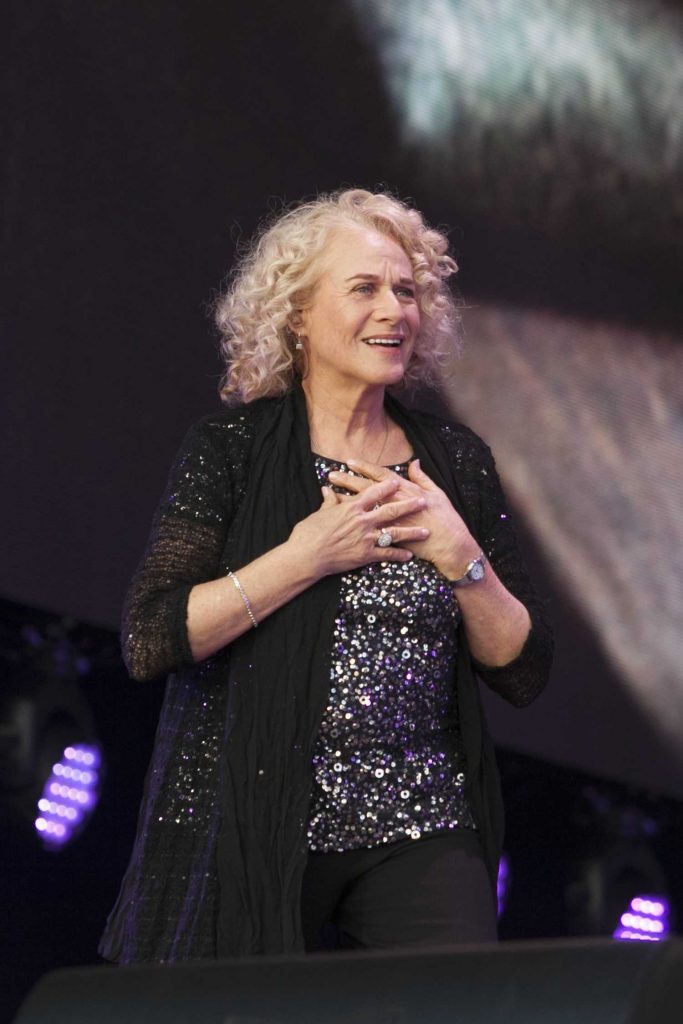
[
  {"x": 560, "y": 982},
  {"x": 645, "y": 920},
  {"x": 616, "y": 866},
  {"x": 503, "y": 883},
  {"x": 50, "y": 761}
]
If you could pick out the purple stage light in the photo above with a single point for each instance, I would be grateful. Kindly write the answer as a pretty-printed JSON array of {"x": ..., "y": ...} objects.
[
  {"x": 503, "y": 883},
  {"x": 70, "y": 795},
  {"x": 646, "y": 920}
]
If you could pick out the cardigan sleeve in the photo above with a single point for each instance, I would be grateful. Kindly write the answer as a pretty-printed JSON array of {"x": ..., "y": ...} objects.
[
  {"x": 523, "y": 679},
  {"x": 184, "y": 548}
]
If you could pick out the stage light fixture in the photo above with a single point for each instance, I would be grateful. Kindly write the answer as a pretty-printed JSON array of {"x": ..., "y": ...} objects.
[
  {"x": 50, "y": 761},
  {"x": 70, "y": 795},
  {"x": 503, "y": 883},
  {"x": 646, "y": 920},
  {"x": 616, "y": 866}
]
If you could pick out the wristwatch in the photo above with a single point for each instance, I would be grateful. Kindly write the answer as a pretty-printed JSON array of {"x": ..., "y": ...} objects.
[{"x": 474, "y": 572}]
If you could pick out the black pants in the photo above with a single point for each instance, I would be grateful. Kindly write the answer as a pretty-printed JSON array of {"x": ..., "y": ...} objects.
[{"x": 415, "y": 892}]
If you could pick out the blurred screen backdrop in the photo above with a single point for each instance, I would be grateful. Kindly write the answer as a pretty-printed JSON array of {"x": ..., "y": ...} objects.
[{"x": 146, "y": 141}]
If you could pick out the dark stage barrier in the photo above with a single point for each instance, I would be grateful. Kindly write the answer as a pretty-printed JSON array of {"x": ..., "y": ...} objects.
[{"x": 559, "y": 982}]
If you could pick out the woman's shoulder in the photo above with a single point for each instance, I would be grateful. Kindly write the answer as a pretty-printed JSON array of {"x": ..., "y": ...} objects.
[
  {"x": 218, "y": 443},
  {"x": 235, "y": 414},
  {"x": 231, "y": 423},
  {"x": 460, "y": 439}
]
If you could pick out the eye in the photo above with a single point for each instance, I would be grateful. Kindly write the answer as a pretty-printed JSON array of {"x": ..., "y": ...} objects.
[
  {"x": 406, "y": 291},
  {"x": 365, "y": 289}
]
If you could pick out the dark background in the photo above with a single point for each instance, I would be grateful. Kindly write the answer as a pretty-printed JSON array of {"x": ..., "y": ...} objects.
[
  {"x": 142, "y": 143},
  {"x": 146, "y": 140}
]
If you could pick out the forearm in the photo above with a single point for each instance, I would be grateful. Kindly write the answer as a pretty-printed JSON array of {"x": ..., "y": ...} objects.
[
  {"x": 216, "y": 612},
  {"x": 496, "y": 623},
  {"x": 508, "y": 636}
]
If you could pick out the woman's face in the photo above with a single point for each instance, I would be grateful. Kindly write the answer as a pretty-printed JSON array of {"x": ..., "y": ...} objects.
[{"x": 361, "y": 326}]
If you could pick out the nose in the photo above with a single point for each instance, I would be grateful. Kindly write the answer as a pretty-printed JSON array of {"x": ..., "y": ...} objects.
[{"x": 389, "y": 305}]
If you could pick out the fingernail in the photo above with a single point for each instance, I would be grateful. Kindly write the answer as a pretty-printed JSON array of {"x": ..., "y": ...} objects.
[{"x": 417, "y": 463}]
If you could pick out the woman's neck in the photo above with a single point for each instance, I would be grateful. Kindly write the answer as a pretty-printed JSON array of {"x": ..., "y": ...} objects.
[{"x": 345, "y": 427}]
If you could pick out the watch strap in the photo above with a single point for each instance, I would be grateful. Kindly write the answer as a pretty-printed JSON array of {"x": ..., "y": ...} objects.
[{"x": 473, "y": 573}]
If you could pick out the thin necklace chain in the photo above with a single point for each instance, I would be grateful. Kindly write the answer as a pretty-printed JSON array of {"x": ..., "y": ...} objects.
[{"x": 384, "y": 442}]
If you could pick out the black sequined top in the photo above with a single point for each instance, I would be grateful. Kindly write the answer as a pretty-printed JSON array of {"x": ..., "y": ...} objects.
[
  {"x": 388, "y": 762},
  {"x": 166, "y": 909}
]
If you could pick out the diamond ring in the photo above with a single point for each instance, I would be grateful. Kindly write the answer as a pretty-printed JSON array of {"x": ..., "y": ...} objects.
[{"x": 385, "y": 539}]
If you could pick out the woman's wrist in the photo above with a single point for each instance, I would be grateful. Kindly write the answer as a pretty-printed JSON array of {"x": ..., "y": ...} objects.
[
  {"x": 303, "y": 562},
  {"x": 455, "y": 562}
]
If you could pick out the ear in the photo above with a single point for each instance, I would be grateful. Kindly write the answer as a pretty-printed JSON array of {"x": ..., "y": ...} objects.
[{"x": 295, "y": 321}]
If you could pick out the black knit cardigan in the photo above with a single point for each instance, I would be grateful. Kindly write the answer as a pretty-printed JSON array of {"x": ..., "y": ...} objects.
[{"x": 220, "y": 849}]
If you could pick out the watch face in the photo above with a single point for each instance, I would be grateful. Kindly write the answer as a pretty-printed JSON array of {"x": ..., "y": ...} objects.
[{"x": 477, "y": 571}]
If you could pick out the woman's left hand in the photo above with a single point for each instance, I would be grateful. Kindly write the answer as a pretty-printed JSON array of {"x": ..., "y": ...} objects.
[
  {"x": 450, "y": 546},
  {"x": 496, "y": 623}
]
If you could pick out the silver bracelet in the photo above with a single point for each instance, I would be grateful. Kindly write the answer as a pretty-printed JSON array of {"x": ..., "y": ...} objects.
[{"x": 247, "y": 602}]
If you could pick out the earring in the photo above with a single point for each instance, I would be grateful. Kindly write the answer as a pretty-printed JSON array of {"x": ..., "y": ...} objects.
[{"x": 299, "y": 342}]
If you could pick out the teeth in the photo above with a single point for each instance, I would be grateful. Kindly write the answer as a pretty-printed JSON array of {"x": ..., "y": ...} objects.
[{"x": 388, "y": 342}]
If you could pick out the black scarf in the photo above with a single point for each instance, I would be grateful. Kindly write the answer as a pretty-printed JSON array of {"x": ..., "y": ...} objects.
[{"x": 278, "y": 687}]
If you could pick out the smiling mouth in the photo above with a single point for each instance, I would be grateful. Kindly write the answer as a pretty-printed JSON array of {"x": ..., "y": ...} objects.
[{"x": 384, "y": 342}]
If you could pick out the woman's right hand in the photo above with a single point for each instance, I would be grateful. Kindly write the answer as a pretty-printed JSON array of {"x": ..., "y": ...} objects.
[{"x": 342, "y": 535}]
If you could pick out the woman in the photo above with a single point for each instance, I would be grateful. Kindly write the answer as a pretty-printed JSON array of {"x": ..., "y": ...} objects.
[{"x": 326, "y": 573}]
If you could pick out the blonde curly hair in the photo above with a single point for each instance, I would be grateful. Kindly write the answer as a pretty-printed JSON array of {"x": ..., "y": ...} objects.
[{"x": 276, "y": 277}]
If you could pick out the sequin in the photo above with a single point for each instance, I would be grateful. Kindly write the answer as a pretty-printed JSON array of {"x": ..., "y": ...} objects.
[
  {"x": 168, "y": 902},
  {"x": 388, "y": 762}
]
